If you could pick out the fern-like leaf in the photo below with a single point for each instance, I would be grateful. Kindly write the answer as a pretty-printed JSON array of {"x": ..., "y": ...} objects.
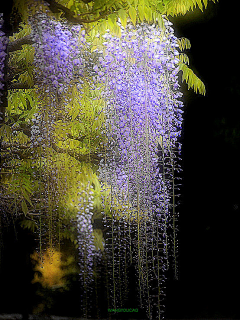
[
  {"x": 181, "y": 7},
  {"x": 191, "y": 79},
  {"x": 183, "y": 58},
  {"x": 184, "y": 43},
  {"x": 28, "y": 224}
]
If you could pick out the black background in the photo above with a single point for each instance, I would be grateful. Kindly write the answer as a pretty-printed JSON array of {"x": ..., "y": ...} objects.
[{"x": 208, "y": 285}]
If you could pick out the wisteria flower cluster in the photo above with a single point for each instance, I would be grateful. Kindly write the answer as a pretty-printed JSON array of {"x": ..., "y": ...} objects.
[
  {"x": 59, "y": 61},
  {"x": 143, "y": 110},
  {"x": 144, "y": 120},
  {"x": 3, "y": 48},
  {"x": 58, "y": 54}
]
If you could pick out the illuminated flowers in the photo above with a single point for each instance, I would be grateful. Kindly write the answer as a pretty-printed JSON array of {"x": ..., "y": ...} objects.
[
  {"x": 58, "y": 54},
  {"x": 3, "y": 47},
  {"x": 143, "y": 108},
  {"x": 143, "y": 125}
]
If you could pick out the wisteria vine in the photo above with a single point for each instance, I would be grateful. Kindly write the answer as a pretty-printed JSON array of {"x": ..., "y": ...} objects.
[
  {"x": 143, "y": 120},
  {"x": 3, "y": 47},
  {"x": 60, "y": 61}
]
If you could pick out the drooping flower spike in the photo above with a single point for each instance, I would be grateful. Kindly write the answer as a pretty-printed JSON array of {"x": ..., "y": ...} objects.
[
  {"x": 3, "y": 47},
  {"x": 143, "y": 120}
]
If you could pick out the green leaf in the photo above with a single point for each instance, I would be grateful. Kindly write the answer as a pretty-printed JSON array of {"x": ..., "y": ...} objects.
[
  {"x": 113, "y": 17},
  {"x": 200, "y": 5},
  {"x": 23, "y": 100},
  {"x": 123, "y": 16},
  {"x": 191, "y": 79},
  {"x": 70, "y": 4},
  {"x": 184, "y": 58},
  {"x": 26, "y": 196},
  {"x": 205, "y": 2},
  {"x": 160, "y": 21},
  {"x": 133, "y": 14},
  {"x": 160, "y": 7},
  {"x": 184, "y": 43},
  {"x": 176, "y": 7},
  {"x": 31, "y": 102},
  {"x": 24, "y": 207},
  {"x": 5, "y": 131},
  {"x": 148, "y": 14},
  {"x": 141, "y": 12},
  {"x": 30, "y": 113},
  {"x": 28, "y": 224}
]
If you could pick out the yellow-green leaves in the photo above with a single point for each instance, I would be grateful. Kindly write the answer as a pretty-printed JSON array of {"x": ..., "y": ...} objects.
[
  {"x": 141, "y": 13},
  {"x": 24, "y": 207},
  {"x": 123, "y": 16},
  {"x": 184, "y": 58},
  {"x": 98, "y": 239},
  {"x": 184, "y": 43},
  {"x": 191, "y": 79},
  {"x": 187, "y": 74},
  {"x": 148, "y": 13},
  {"x": 5, "y": 132},
  {"x": 133, "y": 14},
  {"x": 181, "y": 7},
  {"x": 70, "y": 4},
  {"x": 28, "y": 224}
]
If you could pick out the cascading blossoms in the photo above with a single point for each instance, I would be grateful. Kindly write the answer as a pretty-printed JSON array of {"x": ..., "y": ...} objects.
[
  {"x": 59, "y": 63},
  {"x": 3, "y": 47},
  {"x": 58, "y": 54},
  {"x": 143, "y": 125}
]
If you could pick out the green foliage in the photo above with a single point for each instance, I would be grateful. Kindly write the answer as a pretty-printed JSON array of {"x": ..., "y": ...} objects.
[
  {"x": 98, "y": 239},
  {"x": 5, "y": 132},
  {"x": 184, "y": 58},
  {"x": 191, "y": 79},
  {"x": 21, "y": 61},
  {"x": 181, "y": 7},
  {"x": 29, "y": 224},
  {"x": 184, "y": 43}
]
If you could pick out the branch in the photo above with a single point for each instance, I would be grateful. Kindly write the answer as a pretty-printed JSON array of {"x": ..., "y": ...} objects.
[
  {"x": 69, "y": 15},
  {"x": 17, "y": 44},
  {"x": 24, "y": 151},
  {"x": 26, "y": 130},
  {"x": 6, "y": 145},
  {"x": 19, "y": 86},
  {"x": 21, "y": 152},
  {"x": 76, "y": 138},
  {"x": 92, "y": 157}
]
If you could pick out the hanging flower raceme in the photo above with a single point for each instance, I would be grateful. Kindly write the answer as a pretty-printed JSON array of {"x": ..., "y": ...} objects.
[
  {"x": 59, "y": 62},
  {"x": 143, "y": 119},
  {"x": 3, "y": 47},
  {"x": 58, "y": 54},
  {"x": 140, "y": 71}
]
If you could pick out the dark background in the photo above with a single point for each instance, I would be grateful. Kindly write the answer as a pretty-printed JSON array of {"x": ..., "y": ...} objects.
[
  {"x": 208, "y": 285},
  {"x": 209, "y": 278}
]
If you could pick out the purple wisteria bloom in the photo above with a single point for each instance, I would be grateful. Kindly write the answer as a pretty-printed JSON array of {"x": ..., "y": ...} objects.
[
  {"x": 3, "y": 47},
  {"x": 143, "y": 125},
  {"x": 58, "y": 52}
]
